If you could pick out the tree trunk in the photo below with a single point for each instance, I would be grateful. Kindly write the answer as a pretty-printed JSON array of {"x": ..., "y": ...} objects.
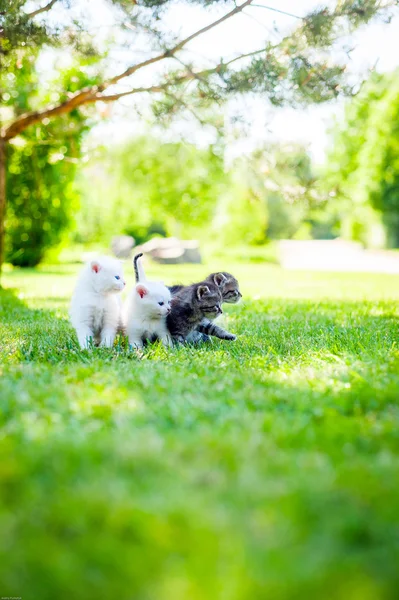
[{"x": 2, "y": 199}]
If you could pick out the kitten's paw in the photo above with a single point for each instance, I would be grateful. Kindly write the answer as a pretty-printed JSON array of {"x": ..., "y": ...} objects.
[
  {"x": 167, "y": 342},
  {"x": 231, "y": 337},
  {"x": 179, "y": 339},
  {"x": 107, "y": 344}
]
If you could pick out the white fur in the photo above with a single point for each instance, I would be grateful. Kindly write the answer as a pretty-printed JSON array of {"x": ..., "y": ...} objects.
[
  {"x": 144, "y": 317},
  {"x": 96, "y": 307}
]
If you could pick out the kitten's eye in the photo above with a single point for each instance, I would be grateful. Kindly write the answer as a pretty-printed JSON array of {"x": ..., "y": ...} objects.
[
  {"x": 117, "y": 277},
  {"x": 161, "y": 303}
]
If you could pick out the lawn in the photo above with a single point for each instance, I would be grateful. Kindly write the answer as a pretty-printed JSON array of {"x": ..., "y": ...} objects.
[{"x": 267, "y": 468}]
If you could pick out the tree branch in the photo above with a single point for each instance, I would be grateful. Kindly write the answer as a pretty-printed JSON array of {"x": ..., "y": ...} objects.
[
  {"x": 254, "y": 53},
  {"x": 187, "y": 107},
  {"x": 189, "y": 76},
  {"x": 282, "y": 12},
  {"x": 45, "y": 8},
  {"x": 93, "y": 94},
  {"x": 27, "y": 119},
  {"x": 171, "y": 51},
  {"x": 112, "y": 97}
]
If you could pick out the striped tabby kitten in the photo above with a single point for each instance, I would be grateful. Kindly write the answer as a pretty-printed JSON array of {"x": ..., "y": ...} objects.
[
  {"x": 228, "y": 285},
  {"x": 231, "y": 294},
  {"x": 229, "y": 288},
  {"x": 190, "y": 305}
]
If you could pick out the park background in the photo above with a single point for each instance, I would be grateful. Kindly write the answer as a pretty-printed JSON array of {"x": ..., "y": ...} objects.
[{"x": 264, "y": 468}]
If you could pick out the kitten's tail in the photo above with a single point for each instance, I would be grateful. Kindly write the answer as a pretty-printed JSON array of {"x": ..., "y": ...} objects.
[
  {"x": 138, "y": 268},
  {"x": 210, "y": 328}
]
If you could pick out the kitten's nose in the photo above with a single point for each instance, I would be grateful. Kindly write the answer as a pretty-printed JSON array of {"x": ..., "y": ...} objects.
[{"x": 220, "y": 310}]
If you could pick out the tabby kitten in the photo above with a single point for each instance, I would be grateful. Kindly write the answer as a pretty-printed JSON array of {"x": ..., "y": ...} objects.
[
  {"x": 190, "y": 305},
  {"x": 231, "y": 294},
  {"x": 229, "y": 288},
  {"x": 228, "y": 285}
]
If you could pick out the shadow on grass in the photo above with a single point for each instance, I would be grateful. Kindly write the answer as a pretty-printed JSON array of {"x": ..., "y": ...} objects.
[{"x": 31, "y": 334}]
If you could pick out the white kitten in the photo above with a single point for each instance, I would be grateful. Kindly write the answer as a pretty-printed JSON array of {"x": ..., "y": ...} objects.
[
  {"x": 95, "y": 307},
  {"x": 145, "y": 313}
]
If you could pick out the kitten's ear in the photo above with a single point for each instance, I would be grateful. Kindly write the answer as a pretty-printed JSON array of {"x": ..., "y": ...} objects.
[
  {"x": 202, "y": 290},
  {"x": 141, "y": 290},
  {"x": 95, "y": 266},
  {"x": 219, "y": 279}
]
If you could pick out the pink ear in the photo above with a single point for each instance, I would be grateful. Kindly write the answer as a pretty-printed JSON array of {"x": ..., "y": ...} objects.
[
  {"x": 141, "y": 290},
  {"x": 95, "y": 266}
]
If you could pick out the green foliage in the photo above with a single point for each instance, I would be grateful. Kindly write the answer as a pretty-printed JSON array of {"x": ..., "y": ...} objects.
[
  {"x": 363, "y": 165},
  {"x": 242, "y": 212},
  {"x": 271, "y": 195},
  {"x": 297, "y": 80},
  {"x": 266, "y": 468},
  {"x": 323, "y": 26},
  {"x": 145, "y": 184},
  {"x": 42, "y": 161},
  {"x": 41, "y": 199},
  {"x": 178, "y": 188},
  {"x": 146, "y": 187},
  {"x": 42, "y": 164},
  {"x": 17, "y": 28}
]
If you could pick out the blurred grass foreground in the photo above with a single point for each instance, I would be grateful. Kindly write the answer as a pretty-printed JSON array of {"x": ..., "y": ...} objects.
[{"x": 266, "y": 468}]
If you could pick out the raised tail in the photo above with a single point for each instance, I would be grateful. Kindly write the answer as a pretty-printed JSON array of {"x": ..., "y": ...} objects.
[
  {"x": 138, "y": 268},
  {"x": 210, "y": 328}
]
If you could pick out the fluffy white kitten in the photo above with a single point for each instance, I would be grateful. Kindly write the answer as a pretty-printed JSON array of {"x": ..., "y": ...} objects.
[
  {"x": 145, "y": 313},
  {"x": 95, "y": 307}
]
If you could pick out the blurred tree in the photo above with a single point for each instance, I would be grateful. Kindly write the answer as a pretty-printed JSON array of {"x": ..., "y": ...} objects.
[
  {"x": 297, "y": 69},
  {"x": 42, "y": 163},
  {"x": 273, "y": 197},
  {"x": 363, "y": 164},
  {"x": 146, "y": 186}
]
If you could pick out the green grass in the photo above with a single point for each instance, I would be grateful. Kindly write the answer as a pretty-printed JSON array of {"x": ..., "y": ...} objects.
[{"x": 267, "y": 468}]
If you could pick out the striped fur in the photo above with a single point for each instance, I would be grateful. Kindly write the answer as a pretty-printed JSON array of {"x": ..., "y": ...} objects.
[
  {"x": 138, "y": 268},
  {"x": 228, "y": 285},
  {"x": 229, "y": 288},
  {"x": 208, "y": 328},
  {"x": 190, "y": 306}
]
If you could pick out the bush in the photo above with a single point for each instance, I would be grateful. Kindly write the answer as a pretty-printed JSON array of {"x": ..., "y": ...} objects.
[
  {"x": 41, "y": 198},
  {"x": 42, "y": 165}
]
